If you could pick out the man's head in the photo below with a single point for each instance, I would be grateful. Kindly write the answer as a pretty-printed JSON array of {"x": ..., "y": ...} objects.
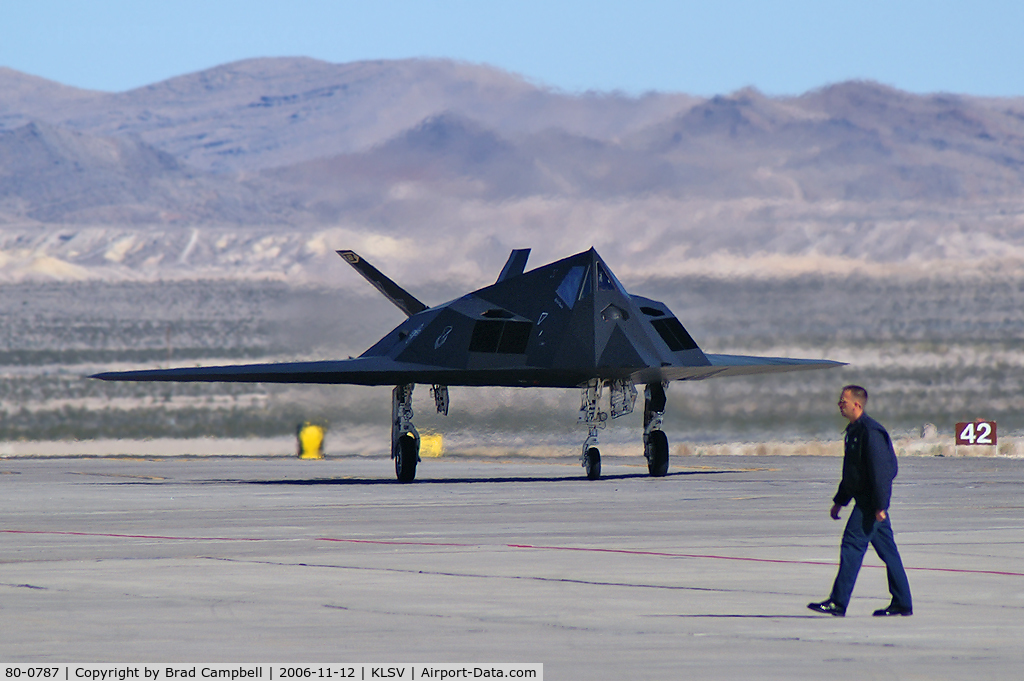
[{"x": 852, "y": 402}]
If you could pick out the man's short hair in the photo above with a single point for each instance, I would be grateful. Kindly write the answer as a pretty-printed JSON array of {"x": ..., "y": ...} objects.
[{"x": 860, "y": 394}]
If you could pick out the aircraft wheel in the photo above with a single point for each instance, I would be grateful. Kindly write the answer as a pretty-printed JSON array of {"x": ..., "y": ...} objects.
[
  {"x": 657, "y": 454},
  {"x": 405, "y": 461},
  {"x": 593, "y": 463}
]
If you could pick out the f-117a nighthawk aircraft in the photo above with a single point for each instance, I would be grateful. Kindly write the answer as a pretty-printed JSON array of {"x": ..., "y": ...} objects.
[{"x": 570, "y": 324}]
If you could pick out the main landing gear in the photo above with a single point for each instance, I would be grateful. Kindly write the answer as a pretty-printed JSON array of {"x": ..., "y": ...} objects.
[
  {"x": 655, "y": 440},
  {"x": 405, "y": 441}
]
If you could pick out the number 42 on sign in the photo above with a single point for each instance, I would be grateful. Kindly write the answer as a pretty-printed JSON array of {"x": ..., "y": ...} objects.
[{"x": 976, "y": 433}]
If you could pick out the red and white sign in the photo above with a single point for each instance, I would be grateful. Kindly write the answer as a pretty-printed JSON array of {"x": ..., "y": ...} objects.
[{"x": 976, "y": 433}]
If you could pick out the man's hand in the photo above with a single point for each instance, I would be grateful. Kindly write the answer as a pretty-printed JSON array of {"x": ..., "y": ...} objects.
[
  {"x": 879, "y": 516},
  {"x": 835, "y": 511}
]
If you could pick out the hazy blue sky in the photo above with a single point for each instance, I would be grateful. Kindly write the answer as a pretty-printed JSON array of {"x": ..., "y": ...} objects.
[{"x": 700, "y": 47}]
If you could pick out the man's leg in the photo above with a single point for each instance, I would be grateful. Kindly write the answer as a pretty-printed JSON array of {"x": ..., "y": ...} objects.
[
  {"x": 851, "y": 555},
  {"x": 885, "y": 546}
]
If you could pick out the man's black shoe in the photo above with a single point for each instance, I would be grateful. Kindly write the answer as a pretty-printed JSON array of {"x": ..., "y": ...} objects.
[
  {"x": 893, "y": 610},
  {"x": 829, "y": 608}
]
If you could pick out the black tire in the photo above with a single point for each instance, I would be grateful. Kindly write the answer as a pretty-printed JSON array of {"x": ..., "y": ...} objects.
[
  {"x": 657, "y": 454},
  {"x": 407, "y": 456},
  {"x": 593, "y": 463}
]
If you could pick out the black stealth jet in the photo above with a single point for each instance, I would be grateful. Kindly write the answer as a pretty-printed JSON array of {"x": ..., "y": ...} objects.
[{"x": 565, "y": 325}]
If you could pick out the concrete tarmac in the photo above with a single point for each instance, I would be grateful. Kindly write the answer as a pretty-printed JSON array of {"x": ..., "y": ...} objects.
[{"x": 705, "y": 573}]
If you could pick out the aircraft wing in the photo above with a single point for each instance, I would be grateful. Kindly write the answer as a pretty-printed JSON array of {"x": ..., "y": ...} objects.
[
  {"x": 357, "y": 371},
  {"x": 386, "y": 371},
  {"x": 741, "y": 365},
  {"x": 722, "y": 366}
]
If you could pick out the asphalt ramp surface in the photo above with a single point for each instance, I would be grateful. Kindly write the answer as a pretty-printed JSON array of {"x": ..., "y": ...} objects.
[{"x": 705, "y": 573}]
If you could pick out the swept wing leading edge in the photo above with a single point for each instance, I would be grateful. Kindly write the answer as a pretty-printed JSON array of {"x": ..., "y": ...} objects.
[{"x": 384, "y": 371}]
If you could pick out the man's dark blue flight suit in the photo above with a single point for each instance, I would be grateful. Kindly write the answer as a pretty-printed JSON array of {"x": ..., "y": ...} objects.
[{"x": 869, "y": 467}]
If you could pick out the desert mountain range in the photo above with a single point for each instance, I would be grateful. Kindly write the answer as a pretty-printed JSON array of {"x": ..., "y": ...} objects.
[{"x": 439, "y": 167}]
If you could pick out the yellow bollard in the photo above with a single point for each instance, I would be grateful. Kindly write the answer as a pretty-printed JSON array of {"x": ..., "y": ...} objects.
[
  {"x": 431, "y": 446},
  {"x": 311, "y": 440}
]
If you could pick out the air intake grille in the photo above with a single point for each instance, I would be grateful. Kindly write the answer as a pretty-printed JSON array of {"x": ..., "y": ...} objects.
[
  {"x": 673, "y": 333},
  {"x": 497, "y": 336}
]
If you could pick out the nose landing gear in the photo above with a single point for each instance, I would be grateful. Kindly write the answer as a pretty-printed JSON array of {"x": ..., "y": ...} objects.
[
  {"x": 621, "y": 399},
  {"x": 591, "y": 416}
]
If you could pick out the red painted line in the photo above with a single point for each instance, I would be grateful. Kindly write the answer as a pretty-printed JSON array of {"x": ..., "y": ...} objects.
[
  {"x": 395, "y": 542},
  {"x": 754, "y": 560}
]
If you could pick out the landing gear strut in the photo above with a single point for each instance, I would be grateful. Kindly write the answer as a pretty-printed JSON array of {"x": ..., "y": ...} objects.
[
  {"x": 622, "y": 397},
  {"x": 655, "y": 440},
  {"x": 592, "y": 416},
  {"x": 405, "y": 441}
]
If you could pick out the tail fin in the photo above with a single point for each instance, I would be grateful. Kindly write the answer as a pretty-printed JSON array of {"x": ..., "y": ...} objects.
[
  {"x": 404, "y": 300},
  {"x": 516, "y": 264}
]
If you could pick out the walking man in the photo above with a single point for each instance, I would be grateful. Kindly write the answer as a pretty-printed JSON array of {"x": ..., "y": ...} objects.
[{"x": 869, "y": 466}]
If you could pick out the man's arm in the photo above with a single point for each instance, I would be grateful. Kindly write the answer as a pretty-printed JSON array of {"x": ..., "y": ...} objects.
[
  {"x": 882, "y": 460},
  {"x": 879, "y": 515}
]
